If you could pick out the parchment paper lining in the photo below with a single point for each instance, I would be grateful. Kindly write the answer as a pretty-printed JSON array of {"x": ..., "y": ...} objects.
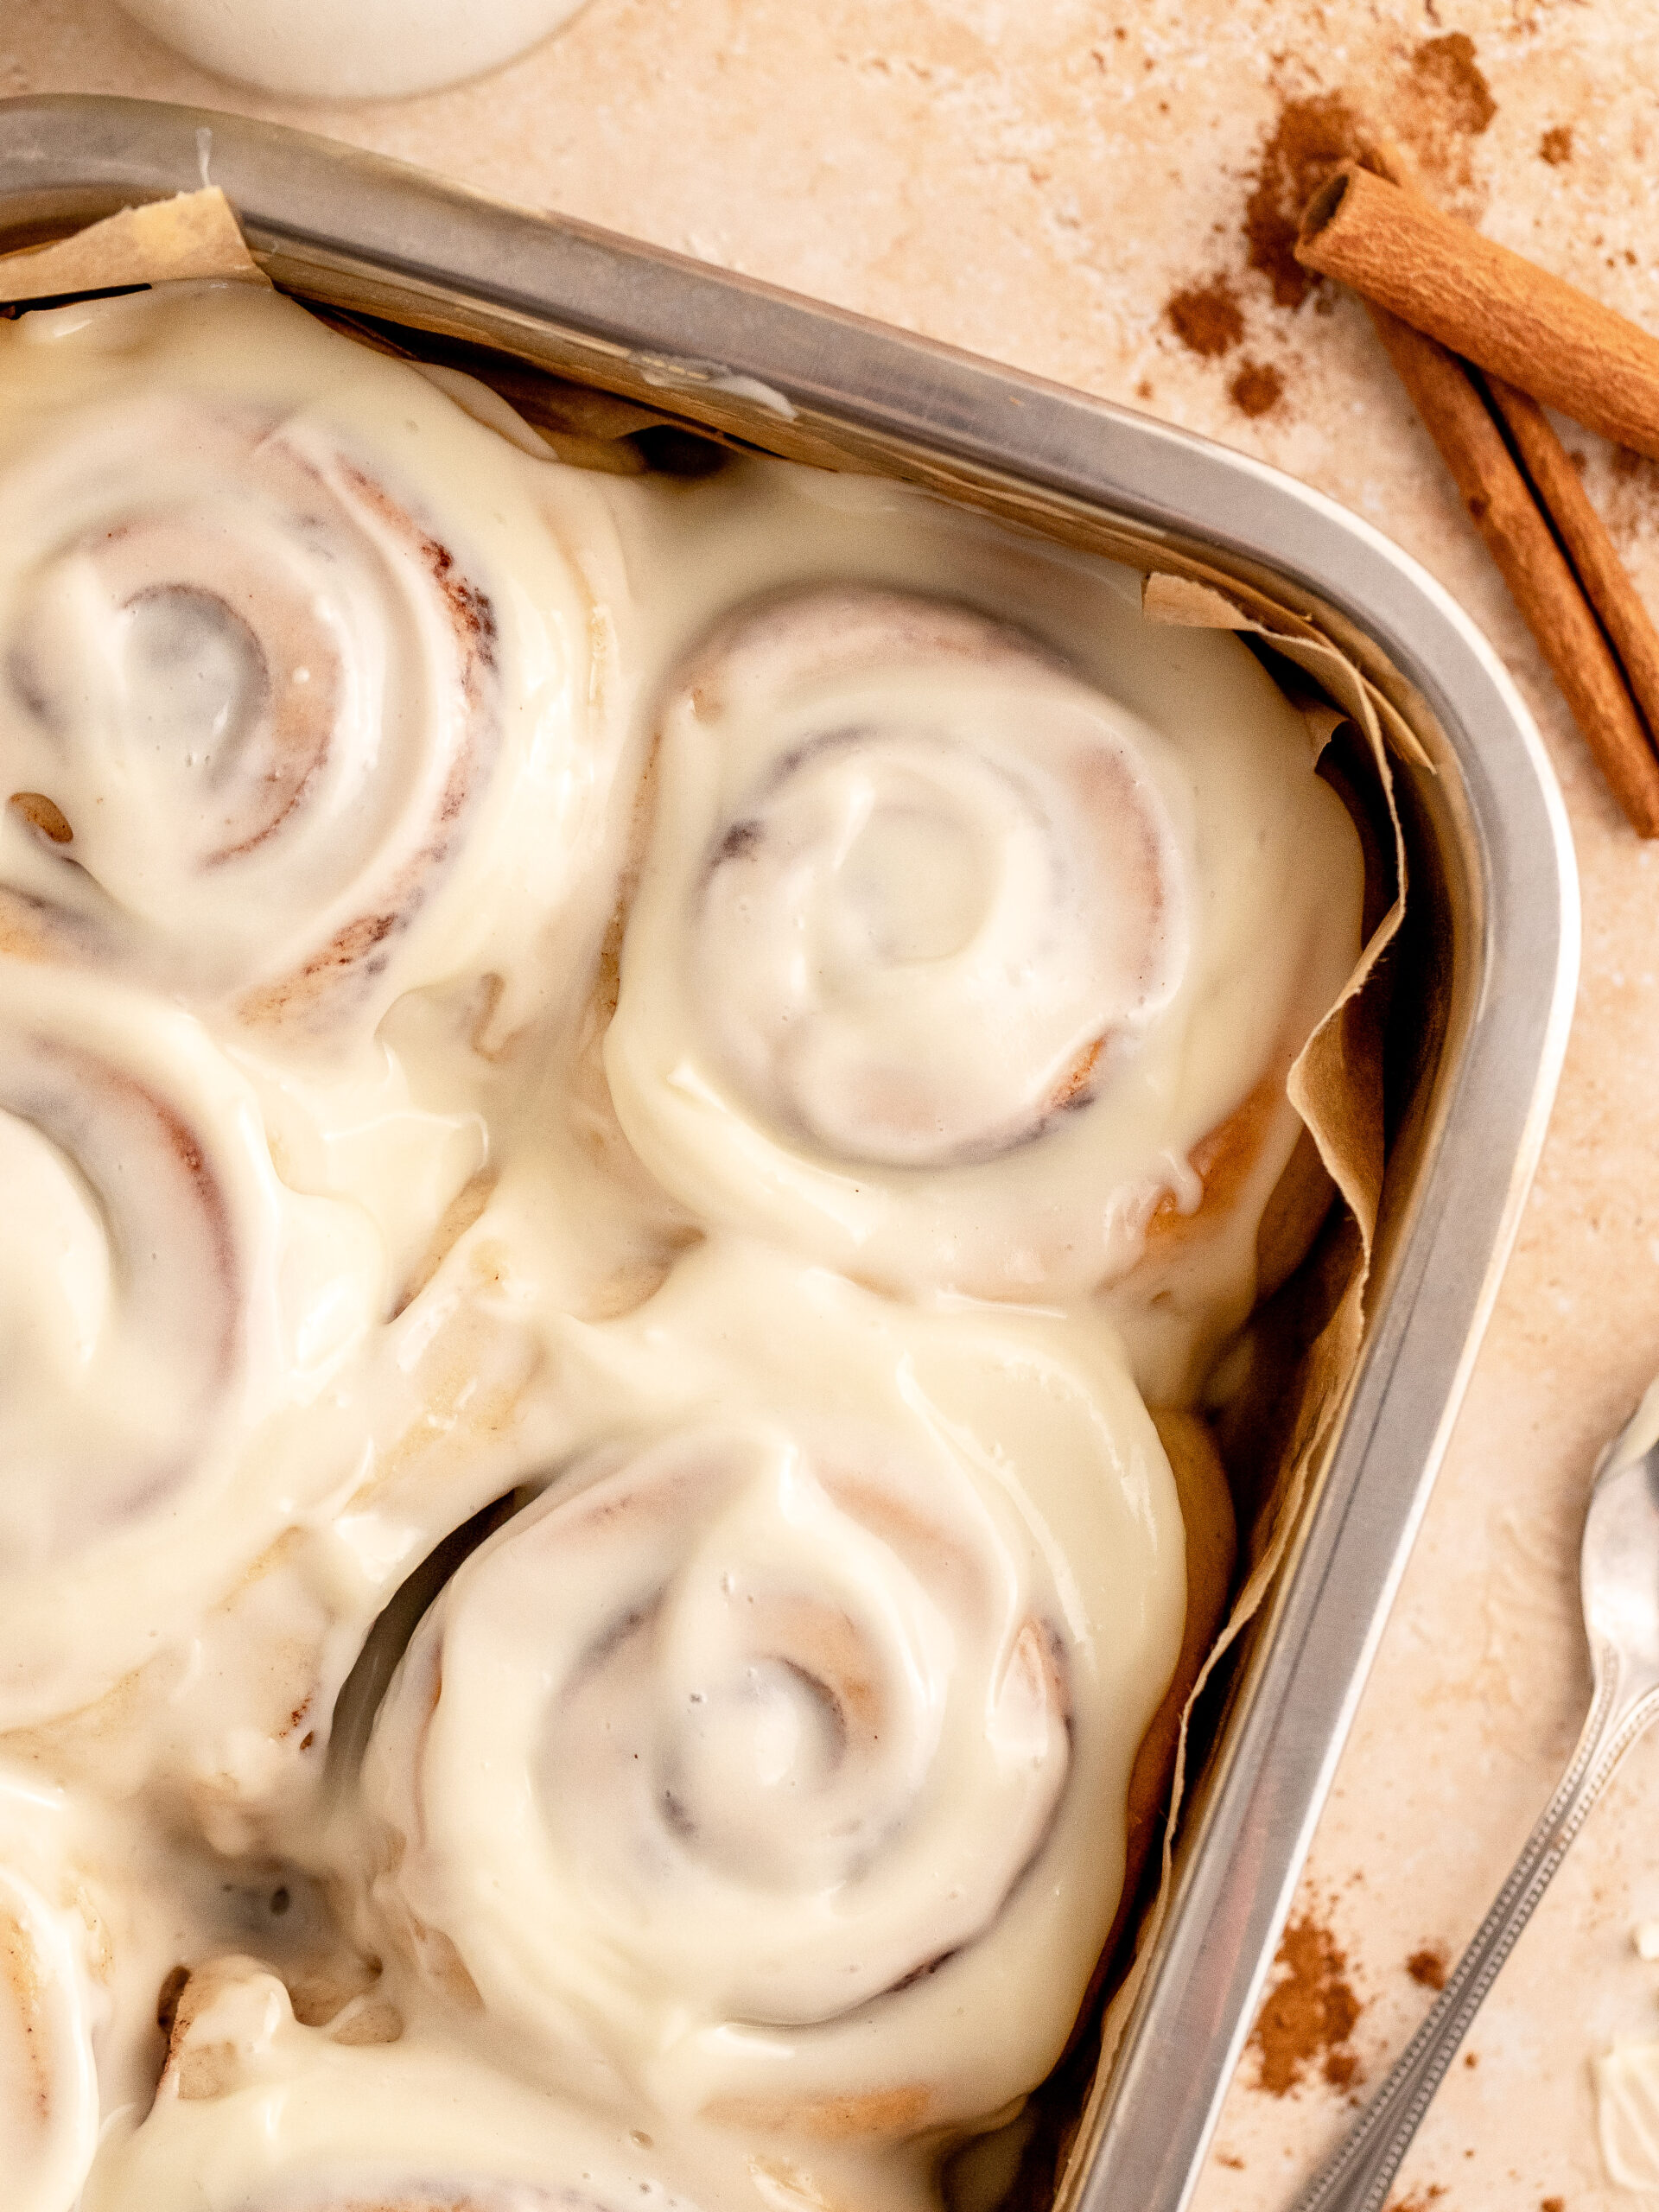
[
  {"x": 192, "y": 235},
  {"x": 1336, "y": 1083}
]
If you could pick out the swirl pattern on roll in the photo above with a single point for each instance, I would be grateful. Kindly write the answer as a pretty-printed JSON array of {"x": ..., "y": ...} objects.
[
  {"x": 49, "y": 2005},
  {"x": 949, "y": 969},
  {"x": 162, "y": 1298},
  {"x": 778, "y": 1756},
  {"x": 300, "y": 691}
]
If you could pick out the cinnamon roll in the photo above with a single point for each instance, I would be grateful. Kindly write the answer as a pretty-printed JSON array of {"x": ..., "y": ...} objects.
[
  {"x": 949, "y": 969},
  {"x": 163, "y": 1300},
  {"x": 307, "y": 691},
  {"x": 50, "y": 2004},
  {"x": 257, "y": 2113},
  {"x": 773, "y": 1765}
]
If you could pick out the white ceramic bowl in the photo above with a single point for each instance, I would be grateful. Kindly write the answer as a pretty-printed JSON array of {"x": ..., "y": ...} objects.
[{"x": 363, "y": 49}]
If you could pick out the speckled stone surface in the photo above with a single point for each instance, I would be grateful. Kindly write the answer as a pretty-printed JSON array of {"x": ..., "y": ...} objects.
[{"x": 1038, "y": 183}]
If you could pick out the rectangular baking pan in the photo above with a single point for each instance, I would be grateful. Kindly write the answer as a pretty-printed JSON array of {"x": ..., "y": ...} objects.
[{"x": 1495, "y": 919}]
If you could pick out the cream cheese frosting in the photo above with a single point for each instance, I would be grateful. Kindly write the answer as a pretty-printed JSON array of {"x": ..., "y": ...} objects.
[
  {"x": 306, "y": 696},
  {"x": 690, "y": 1024},
  {"x": 777, "y": 1756},
  {"x": 51, "y": 1943},
  {"x": 256, "y": 2113},
  {"x": 165, "y": 1301},
  {"x": 1013, "y": 964}
]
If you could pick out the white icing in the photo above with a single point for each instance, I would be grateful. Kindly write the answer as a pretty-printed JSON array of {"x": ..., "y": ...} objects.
[
  {"x": 376, "y": 49},
  {"x": 297, "y": 654},
  {"x": 318, "y": 1232},
  {"x": 1627, "y": 2114},
  {"x": 255, "y": 2113},
  {"x": 163, "y": 1300},
  {"x": 49, "y": 2005},
  {"x": 947, "y": 888},
  {"x": 779, "y": 1754},
  {"x": 942, "y": 966}
]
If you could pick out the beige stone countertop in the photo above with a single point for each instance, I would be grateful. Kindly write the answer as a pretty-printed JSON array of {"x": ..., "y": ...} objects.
[{"x": 1096, "y": 190}]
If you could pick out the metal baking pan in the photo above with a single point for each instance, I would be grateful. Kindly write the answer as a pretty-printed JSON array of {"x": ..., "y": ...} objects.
[{"x": 1493, "y": 873}]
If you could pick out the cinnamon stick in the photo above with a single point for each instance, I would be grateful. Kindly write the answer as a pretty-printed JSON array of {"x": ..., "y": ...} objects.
[
  {"x": 1492, "y": 306},
  {"x": 1540, "y": 580},
  {"x": 1606, "y": 582}
]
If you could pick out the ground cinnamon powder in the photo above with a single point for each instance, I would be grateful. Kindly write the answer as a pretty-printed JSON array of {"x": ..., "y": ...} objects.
[
  {"x": 1428, "y": 1966},
  {"x": 1309, "y": 2014},
  {"x": 1206, "y": 317},
  {"x": 1437, "y": 101},
  {"x": 1444, "y": 75},
  {"x": 1257, "y": 388},
  {"x": 1310, "y": 138}
]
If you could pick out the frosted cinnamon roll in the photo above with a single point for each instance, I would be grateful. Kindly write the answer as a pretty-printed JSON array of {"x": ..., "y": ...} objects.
[
  {"x": 947, "y": 969},
  {"x": 773, "y": 1765},
  {"x": 306, "y": 682},
  {"x": 51, "y": 1944},
  {"x": 163, "y": 1300},
  {"x": 255, "y": 2113}
]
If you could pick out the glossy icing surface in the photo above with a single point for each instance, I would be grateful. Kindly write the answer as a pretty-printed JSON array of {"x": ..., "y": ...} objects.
[
  {"x": 429, "y": 1133},
  {"x": 52, "y": 1942},
  {"x": 1009, "y": 953},
  {"x": 750, "y": 1759}
]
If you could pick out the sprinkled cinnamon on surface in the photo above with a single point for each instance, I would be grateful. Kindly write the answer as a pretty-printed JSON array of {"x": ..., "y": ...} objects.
[
  {"x": 1445, "y": 76},
  {"x": 1556, "y": 145},
  {"x": 1428, "y": 1966},
  {"x": 1206, "y": 317},
  {"x": 1419, "y": 2201},
  {"x": 1256, "y": 389},
  {"x": 1309, "y": 2014},
  {"x": 1310, "y": 138}
]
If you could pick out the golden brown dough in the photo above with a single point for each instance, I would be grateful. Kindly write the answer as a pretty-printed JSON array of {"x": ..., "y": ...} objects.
[{"x": 1212, "y": 1548}]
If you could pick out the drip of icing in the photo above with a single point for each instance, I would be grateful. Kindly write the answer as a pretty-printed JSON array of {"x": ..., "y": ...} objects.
[
  {"x": 266, "y": 2115},
  {"x": 1627, "y": 2114}
]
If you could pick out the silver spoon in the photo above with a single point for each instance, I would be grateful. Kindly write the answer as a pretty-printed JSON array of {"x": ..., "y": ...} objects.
[{"x": 1618, "y": 1581}]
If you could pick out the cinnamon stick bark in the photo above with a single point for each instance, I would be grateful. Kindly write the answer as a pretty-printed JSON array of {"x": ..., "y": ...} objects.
[
  {"x": 1606, "y": 580},
  {"x": 1492, "y": 306},
  {"x": 1540, "y": 580}
]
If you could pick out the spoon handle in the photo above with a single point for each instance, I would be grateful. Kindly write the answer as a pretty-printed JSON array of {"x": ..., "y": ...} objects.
[{"x": 1356, "y": 2177}]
